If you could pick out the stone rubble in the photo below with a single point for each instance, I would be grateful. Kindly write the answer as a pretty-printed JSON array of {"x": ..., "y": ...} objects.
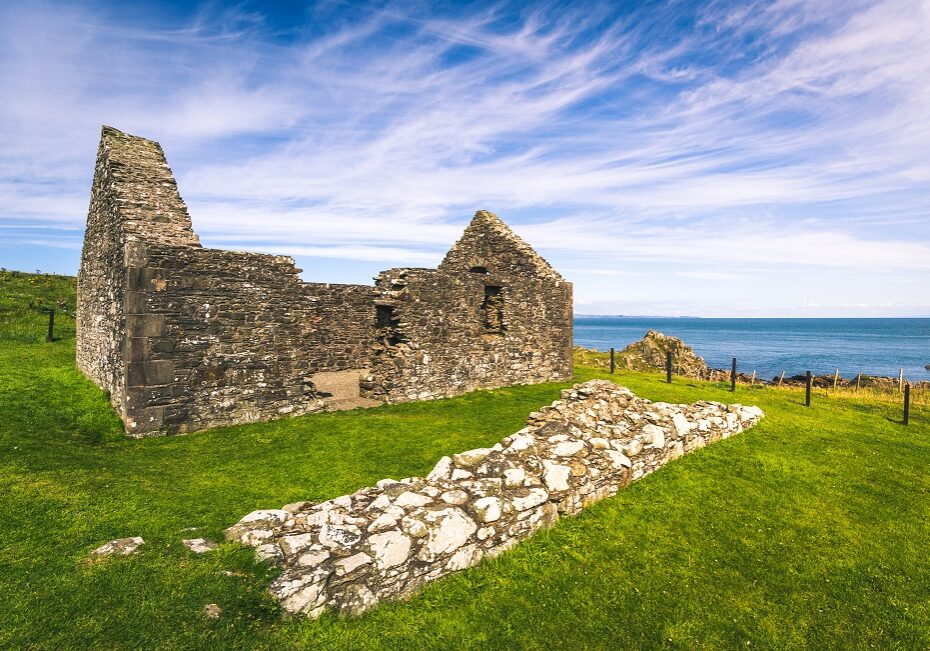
[
  {"x": 386, "y": 541},
  {"x": 118, "y": 547},
  {"x": 199, "y": 545}
]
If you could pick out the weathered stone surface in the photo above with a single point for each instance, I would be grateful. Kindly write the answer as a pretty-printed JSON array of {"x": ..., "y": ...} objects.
[
  {"x": 351, "y": 563},
  {"x": 471, "y": 457},
  {"x": 390, "y": 549},
  {"x": 118, "y": 547},
  {"x": 447, "y": 530},
  {"x": 199, "y": 545},
  {"x": 349, "y": 553},
  {"x": 441, "y": 470},
  {"x": 488, "y": 509},
  {"x": 556, "y": 476},
  {"x": 185, "y": 338}
]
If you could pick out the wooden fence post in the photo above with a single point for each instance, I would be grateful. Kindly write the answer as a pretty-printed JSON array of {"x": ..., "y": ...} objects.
[
  {"x": 51, "y": 325},
  {"x": 807, "y": 390},
  {"x": 668, "y": 366},
  {"x": 858, "y": 380},
  {"x": 907, "y": 403},
  {"x": 781, "y": 378},
  {"x": 733, "y": 376},
  {"x": 836, "y": 376},
  {"x": 900, "y": 379},
  {"x": 611, "y": 361},
  {"x": 752, "y": 380}
]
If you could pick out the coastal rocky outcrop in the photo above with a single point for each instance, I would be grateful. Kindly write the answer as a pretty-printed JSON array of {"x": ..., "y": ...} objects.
[
  {"x": 386, "y": 541},
  {"x": 649, "y": 354}
]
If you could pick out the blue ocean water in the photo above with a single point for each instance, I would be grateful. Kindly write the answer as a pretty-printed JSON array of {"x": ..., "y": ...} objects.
[{"x": 770, "y": 346}]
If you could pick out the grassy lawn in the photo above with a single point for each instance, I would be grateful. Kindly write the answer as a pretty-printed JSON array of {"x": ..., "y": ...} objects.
[{"x": 808, "y": 531}]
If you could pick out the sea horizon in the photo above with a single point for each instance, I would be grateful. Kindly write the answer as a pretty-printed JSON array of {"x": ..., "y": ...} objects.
[{"x": 876, "y": 346}]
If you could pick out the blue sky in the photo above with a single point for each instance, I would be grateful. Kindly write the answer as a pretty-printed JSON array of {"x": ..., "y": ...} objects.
[{"x": 763, "y": 158}]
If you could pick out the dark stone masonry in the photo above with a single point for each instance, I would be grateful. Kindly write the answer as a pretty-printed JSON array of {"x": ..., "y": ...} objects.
[{"x": 185, "y": 338}]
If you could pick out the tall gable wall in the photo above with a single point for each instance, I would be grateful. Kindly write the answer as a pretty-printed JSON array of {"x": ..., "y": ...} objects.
[
  {"x": 134, "y": 197},
  {"x": 493, "y": 314}
]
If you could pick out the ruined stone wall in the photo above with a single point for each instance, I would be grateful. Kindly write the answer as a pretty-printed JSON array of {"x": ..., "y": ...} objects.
[
  {"x": 218, "y": 337},
  {"x": 185, "y": 338},
  {"x": 134, "y": 197},
  {"x": 386, "y": 541},
  {"x": 493, "y": 314}
]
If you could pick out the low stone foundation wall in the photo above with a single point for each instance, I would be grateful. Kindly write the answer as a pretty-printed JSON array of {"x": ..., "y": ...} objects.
[{"x": 386, "y": 541}]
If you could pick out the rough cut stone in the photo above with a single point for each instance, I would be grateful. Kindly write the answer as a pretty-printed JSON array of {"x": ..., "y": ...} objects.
[
  {"x": 390, "y": 549},
  {"x": 349, "y": 553},
  {"x": 488, "y": 509},
  {"x": 514, "y": 477},
  {"x": 352, "y": 563},
  {"x": 656, "y": 434},
  {"x": 441, "y": 470},
  {"x": 568, "y": 448},
  {"x": 682, "y": 426},
  {"x": 556, "y": 476},
  {"x": 471, "y": 457},
  {"x": 534, "y": 497},
  {"x": 447, "y": 530}
]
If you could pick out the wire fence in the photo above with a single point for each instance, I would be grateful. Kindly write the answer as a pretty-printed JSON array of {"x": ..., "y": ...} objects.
[
  {"x": 30, "y": 301},
  {"x": 36, "y": 324},
  {"x": 861, "y": 386}
]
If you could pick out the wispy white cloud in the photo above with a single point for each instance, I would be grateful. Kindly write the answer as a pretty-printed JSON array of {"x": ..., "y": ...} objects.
[{"x": 772, "y": 134}]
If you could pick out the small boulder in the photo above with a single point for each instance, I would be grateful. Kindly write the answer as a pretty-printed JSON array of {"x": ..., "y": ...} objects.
[
  {"x": 118, "y": 547},
  {"x": 199, "y": 545}
]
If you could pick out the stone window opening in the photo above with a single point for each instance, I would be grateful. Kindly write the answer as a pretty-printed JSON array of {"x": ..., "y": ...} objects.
[
  {"x": 386, "y": 323},
  {"x": 493, "y": 310},
  {"x": 479, "y": 270}
]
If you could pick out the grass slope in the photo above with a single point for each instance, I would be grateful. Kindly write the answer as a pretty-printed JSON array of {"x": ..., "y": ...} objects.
[{"x": 808, "y": 531}]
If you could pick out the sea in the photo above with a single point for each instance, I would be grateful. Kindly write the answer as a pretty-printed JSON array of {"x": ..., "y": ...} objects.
[{"x": 770, "y": 346}]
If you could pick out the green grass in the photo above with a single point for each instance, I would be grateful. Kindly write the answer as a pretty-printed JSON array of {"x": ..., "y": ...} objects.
[
  {"x": 25, "y": 300},
  {"x": 811, "y": 530}
]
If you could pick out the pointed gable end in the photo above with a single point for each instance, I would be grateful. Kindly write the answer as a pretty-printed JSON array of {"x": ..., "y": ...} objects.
[{"x": 488, "y": 242}]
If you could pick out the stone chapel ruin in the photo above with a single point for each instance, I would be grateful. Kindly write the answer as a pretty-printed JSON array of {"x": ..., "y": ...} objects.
[{"x": 185, "y": 338}]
